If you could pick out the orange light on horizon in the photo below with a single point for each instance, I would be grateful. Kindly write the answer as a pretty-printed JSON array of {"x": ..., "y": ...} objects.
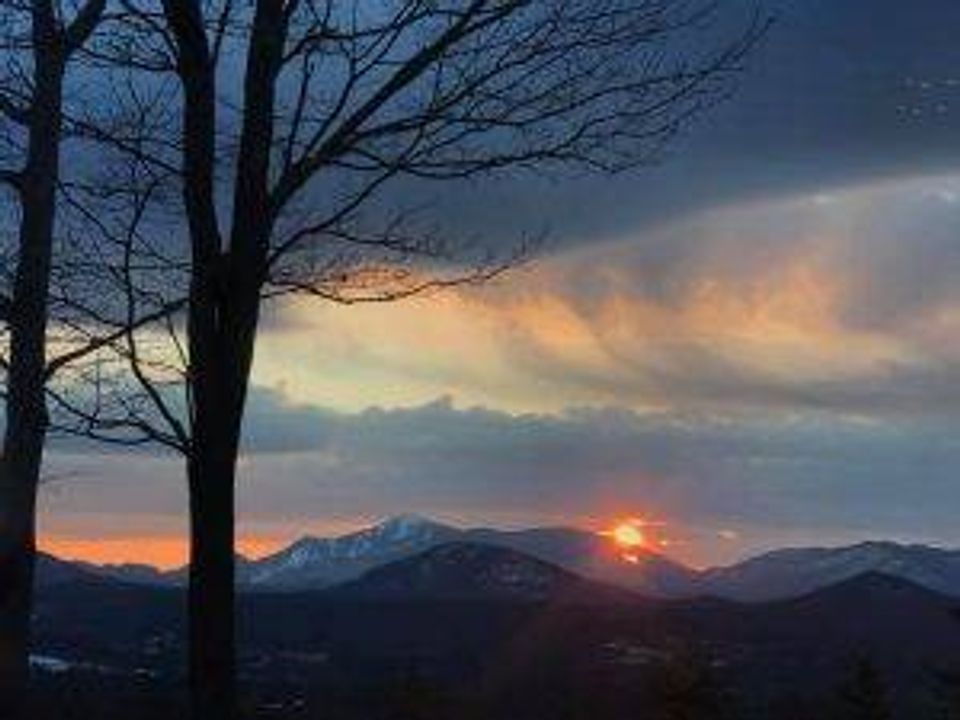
[
  {"x": 636, "y": 536},
  {"x": 629, "y": 535},
  {"x": 165, "y": 552}
]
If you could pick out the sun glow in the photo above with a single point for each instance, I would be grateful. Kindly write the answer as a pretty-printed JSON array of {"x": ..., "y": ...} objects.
[
  {"x": 634, "y": 537},
  {"x": 629, "y": 535}
]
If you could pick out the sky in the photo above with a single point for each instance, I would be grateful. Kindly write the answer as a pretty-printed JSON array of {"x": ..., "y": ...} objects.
[{"x": 752, "y": 342}]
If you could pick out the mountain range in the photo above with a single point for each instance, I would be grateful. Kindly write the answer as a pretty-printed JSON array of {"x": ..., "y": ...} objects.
[
  {"x": 314, "y": 563},
  {"x": 504, "y": 626}
]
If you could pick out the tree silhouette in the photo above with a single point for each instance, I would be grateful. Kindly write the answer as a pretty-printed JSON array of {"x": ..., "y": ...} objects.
[
  {"x": 281, "y": 125},
  {"x": 39, "y": 40}
]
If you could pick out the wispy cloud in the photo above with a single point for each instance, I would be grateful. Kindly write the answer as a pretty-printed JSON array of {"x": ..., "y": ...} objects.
[{"x": 782, "y": 305}]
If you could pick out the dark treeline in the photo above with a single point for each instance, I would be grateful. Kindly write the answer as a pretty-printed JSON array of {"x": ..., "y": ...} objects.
[{"x": 686, "y": 686}]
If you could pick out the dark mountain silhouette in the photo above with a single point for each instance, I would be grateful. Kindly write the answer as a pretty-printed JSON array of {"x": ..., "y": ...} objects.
[
  {"x": 796, "y": 571},
  {"x": 462, "y": 611},
  {"x": 318, "y": 563},
  {"x": 313, "y": 563},
  {"x": 52, "y": 571},
  {"x": 595, "y": 556},
  {"x": 462, "y": 571}
]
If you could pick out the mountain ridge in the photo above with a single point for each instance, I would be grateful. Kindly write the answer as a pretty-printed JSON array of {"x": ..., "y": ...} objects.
[
  {"x": 471, "y": 572},
  {"x": 314, "y": 563}
]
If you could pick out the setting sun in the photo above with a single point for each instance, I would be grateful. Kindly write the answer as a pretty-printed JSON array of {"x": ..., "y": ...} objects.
[
  {"x": 634, "y": 537},
  {"x": 629, "y": 535}
]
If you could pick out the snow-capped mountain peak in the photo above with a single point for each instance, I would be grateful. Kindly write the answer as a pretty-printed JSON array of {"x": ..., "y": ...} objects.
[
  {"x": 313, "y": 561},
  {"x": 407, "y": 527}
]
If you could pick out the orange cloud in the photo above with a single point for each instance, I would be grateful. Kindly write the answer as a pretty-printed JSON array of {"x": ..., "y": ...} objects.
[
  {"x": 540, "y": 345},
  {"x": 758, "y": 305}
]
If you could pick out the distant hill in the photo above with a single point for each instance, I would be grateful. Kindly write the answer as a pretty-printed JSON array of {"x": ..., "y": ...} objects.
[
  {"x": 792, "y": 572},
  {"x": 51, "y": 571},
  {"x": 474, "y": 572},
  {"x": 313, "y": 563},
  {"x": 594, "y": 556}
]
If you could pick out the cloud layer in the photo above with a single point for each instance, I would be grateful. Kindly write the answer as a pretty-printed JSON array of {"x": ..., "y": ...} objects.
[
  {"x": 808, "y": 479},
  {"x": 844, "y": 302}
]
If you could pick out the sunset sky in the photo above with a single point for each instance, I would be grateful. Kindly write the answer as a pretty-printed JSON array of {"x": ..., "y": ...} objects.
[{"x": 754, "y": 342}]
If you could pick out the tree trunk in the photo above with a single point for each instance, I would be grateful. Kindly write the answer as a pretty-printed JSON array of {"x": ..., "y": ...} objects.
[
  {"x": 212, "y": 643},
  {"x": 18, "y": 474},
  {"x": 220, "y": 369},
  {"x": 222, "y": 325},
  {"x": 26, "y": 415}
]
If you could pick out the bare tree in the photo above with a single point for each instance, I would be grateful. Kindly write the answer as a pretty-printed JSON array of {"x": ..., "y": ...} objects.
[
  {"x": 285, "y": 125},
  {"x": 39, "y": 39}
]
